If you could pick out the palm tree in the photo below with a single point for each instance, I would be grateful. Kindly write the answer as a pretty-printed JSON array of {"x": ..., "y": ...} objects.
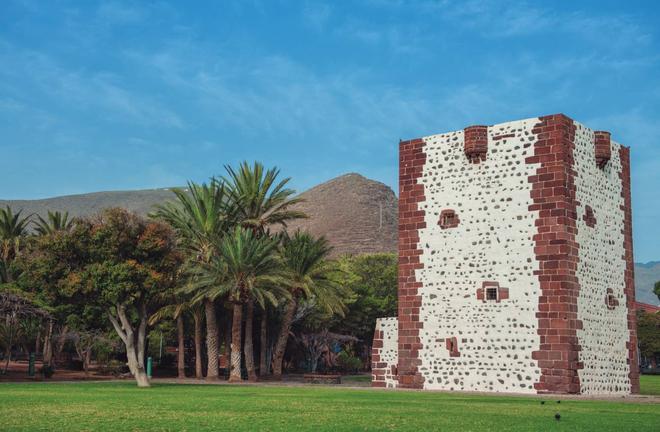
[
  {"x": 247, "y": 269},
  {"x": 13, "y": 228},
  {"x": 308, "y": 278},
  {"x": 201, "y": 215},
  {"x": 55, "y": 221},
  {"x": 261, "y": 201}
]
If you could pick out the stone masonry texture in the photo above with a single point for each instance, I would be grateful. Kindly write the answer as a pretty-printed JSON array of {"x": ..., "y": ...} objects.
[{"x": 533, "y": 291}]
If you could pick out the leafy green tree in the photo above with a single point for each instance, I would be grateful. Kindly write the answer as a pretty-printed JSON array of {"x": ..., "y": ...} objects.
[
  {"x": 373, "y": 281},
  {"x": 37, "y": 271},
  {"x": 201, "y": 215},
  {"x": 18, "y": 312},
  {"x": 117, "y": 262},
  {"x": 87, "y": 329},
  {"x": 13, "y": 229},
  {"x": 656, "y": 289},
  {"x": 648, "y": 335},
  {"x": 55, "y": 221},
  {"x": 310, "y": 278}
]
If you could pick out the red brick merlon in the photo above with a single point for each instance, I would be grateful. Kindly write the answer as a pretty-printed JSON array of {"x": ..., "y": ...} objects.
[
  {"x": 603, "y": 148},
  {"x": 556, "y": 250},
  {"x": 475, "y": 142},
  {"x": 411, "y": 219},
  {"x": 624, "y": 155}
]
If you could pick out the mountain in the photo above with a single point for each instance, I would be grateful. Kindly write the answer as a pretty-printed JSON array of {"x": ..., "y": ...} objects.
[
  {"x": 356, "y": 214},
  {"x": 140, "y": 201},
  {"x": 646, "y": 275}
]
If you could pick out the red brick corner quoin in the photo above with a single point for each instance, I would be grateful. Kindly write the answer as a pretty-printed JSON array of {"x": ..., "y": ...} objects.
[
  {"x": 556, "y": 250},
  {"x": 411, "y": 218},
  {"x": 624, "y": 155},
  {"x": 377, "y": 367}
]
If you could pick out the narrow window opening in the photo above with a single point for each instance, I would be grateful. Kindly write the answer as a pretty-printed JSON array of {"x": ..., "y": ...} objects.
[
  {"x": 589, "y": 217},
  {"x": 452, "y": 346}
]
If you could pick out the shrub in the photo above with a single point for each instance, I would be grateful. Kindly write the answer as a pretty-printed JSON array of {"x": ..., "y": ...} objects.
[
  {"x": 348, "y": 363},
  {"x": 113, "y": 367}
]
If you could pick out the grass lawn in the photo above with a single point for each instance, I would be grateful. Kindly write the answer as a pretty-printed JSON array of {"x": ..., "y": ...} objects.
[
  {"x": 649, "y": 384},
  {"x": 350, "y": 379},
  {"x": 123, "y": 407}
]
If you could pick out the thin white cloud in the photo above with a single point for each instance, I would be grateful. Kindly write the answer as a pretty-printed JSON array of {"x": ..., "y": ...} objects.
[{"x": 102, "y": 91}]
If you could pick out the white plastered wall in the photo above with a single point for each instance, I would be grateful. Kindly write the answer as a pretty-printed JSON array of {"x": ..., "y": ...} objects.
[
  {"x": 493, "y": 242},
  {"x": 601, "y": 265}
]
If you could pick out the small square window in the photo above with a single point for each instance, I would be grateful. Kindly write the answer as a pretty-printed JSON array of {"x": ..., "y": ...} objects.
[
  {"x": 491, "y": 293},
  {"x": 612, "y": 302},
  {"x": 448, "y": 219}
]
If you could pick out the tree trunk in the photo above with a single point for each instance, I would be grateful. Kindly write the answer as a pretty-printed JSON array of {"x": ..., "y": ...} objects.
[
  {"x": 249, "y": 343},
  {"x": 236, "y": 328},
  {"x": 197, "y": 316},
  {"x": 135, "y": 343},
  {"x": 137, "y": 369},
  {"x": 48, "y": 345},
  {"x": 61, "y": 339},
  {"x": 87, "y": 360},
  {"x": 8, "y": 350},
  {"x": 263, "y": 342},
  {"x": 282, "y": 338},
  {"x": 212, "y": 371},
  {"x": 227, "y": 339},
  {"x": 37, "y": 341},
  {"x": 181, "y": 357}
]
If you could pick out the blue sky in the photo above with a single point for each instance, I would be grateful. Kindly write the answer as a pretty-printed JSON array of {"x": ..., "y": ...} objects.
[{"x": 124, "y": 95}]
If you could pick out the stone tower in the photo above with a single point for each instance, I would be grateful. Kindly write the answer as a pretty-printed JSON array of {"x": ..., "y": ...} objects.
[{"x": 515, "y": 263}]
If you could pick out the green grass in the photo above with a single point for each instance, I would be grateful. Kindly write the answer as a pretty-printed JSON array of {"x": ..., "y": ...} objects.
[
  {"x": 649, "y": 385},
  {"x": 123, "y": 407},
  {"x": 356, "y": 379}
]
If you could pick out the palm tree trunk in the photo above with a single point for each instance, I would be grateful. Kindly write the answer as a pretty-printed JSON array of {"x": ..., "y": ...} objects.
[
  {"x": 197, "y": 316},
  {"x": 211, "y": 341},
  {"x": 263, "y": 348},
  {"x": 249, "y": 343},
  {"x": 283, "y": 337},
  {"x": 181, "y": 357},
  {"x": 227, "y": 341},
  {"x": 236, "y": 328}
]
